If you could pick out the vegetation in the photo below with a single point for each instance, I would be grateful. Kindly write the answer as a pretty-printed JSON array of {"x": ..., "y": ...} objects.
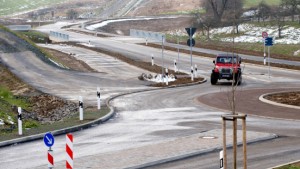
[
  {"x": 290, "y": 166},
  {"x": 9, "y": 7},
  {"x": 33, "y": 127},
  {"x": 254, "y": 3},
  {"x": 36, "y": 37}
]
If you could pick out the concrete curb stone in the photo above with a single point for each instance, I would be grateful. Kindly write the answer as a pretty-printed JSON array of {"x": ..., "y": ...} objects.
[{"x": 261, "y": 98}]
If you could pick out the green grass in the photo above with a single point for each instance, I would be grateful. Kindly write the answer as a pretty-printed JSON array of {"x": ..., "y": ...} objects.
[
  {"x": 33, "y": 127},
  {"x": 8, "y": 7},
  {"x": 254, "y": 3},
  {"x": 290, "y": 166},
  {"x": 7, "y": 96},
  {"x": 36, "y": 36}
]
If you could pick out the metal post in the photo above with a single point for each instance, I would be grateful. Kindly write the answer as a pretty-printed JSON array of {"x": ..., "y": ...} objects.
[
  {"x": 191, "y": 45},
  {"x": 264, "y": 51},
  {"x": 269, "y": 60},
  {"x": 177, "y": 51},
  {"x": 224, "y": 143},
  {"x": 162, "y": 56}
]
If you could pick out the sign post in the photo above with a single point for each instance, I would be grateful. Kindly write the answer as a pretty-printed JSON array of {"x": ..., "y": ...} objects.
[
  {"x": 20, "y": 120},
  {"x": 264, "y": 35},
  {"x": 191, "y": 42},
  {"x": 269, "y": 42},
  {"x": 162, "y": 56},
  {"x": 49, "y": 142}
]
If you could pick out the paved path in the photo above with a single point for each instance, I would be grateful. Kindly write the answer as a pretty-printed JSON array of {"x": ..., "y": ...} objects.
[{"x": 139, "y": 157}]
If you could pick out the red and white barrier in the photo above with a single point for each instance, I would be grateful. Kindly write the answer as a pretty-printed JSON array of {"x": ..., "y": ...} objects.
[
  {"x": 69, "y": 150},
  {"x": 50, "y": 159}
]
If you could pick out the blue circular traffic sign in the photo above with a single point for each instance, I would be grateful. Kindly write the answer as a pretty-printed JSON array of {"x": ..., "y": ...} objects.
[{"x": 49, "y": 139}]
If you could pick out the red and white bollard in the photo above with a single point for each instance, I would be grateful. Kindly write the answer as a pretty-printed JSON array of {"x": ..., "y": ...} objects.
[
  {"x": 50, "y": 159},
  {"x": 69, "y": 150}
]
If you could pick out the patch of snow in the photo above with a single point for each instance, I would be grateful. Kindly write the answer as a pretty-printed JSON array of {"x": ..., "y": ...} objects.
[
  {"x": 1, "y": 122},
  {"x": 87, "y": 44},
  {"x": 253, "y": 34},
  {"x": 9, "y": 120},
  {"x": 161, "y": 79},
  {"x": 296, "y": 53}
]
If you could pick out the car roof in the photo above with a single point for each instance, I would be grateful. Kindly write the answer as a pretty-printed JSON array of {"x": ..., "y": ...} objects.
[{"x": 227, "y": 55}]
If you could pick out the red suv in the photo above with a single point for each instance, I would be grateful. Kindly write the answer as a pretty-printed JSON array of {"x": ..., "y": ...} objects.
[{"x": 227, "y": 66}]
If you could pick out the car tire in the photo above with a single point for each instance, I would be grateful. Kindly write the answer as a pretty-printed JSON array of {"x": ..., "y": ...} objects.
[{"x": 213, "y": 79}]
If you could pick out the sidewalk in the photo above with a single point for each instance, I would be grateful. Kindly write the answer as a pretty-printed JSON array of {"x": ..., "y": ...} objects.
[{"x": 162, "y": 152}]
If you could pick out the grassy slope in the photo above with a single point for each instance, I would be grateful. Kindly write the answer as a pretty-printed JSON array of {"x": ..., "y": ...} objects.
[
  {"x": 252, "y": 3},
  {"x": 13, "y": 6}
]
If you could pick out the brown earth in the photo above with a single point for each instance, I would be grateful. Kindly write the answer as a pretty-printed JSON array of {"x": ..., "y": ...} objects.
[
  {"x": 154, "y": 25},
  {"x": 158, "y": 7},
  {"x": 69, "y": 61},
  {"x": 290, "y": 98}
]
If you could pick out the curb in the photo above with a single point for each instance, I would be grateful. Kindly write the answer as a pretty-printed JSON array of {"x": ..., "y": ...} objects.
[
  {"x": 63, "y": 131},
  {"x": 197, "y": 153},
  {"x": 261, "y": 98},
  {"x": 284, "y": 164},
  {"x": 89, "y": 124}
]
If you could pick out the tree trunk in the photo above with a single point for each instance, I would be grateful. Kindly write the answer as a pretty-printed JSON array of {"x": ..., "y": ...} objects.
[
  {"x": 208, "y": 38},
  {"x": 237, "y": 28}
]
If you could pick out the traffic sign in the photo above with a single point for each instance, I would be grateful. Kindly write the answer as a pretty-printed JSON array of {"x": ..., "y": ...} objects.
[
  {"x": 189, "y": 42},
  {"x": 264, "y": 34},
  {"x": 269, "y": 41},
  {"x": 190, "y": 31},
  {"x": 48, "y": 139}
]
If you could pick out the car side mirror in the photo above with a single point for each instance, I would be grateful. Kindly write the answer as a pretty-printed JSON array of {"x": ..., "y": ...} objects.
[
  {"x": 240, "y": 61},
  {"x": 214, "y": 61}
]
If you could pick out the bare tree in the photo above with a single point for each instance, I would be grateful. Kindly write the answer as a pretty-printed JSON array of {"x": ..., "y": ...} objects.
[
  {"x": 292, "y": 7},
  {"x": 204, "y": 22},
  {"x": 234, "y": 12},
  {"x": 216, "y": 7},
  {"x": 278, "y": 14},
  {"x": 72, "y": 14},
  {"x": 263, "y": 11}
]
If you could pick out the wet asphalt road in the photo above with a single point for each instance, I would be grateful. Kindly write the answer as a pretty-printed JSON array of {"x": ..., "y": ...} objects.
[{"x": 150, "y": 117}]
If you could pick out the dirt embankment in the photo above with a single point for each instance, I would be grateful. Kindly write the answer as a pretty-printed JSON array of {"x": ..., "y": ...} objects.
[
  {"x": 41, "y": 107},
  {"x": 154, "y": 25},
  {"x": 158, "y": 7}
]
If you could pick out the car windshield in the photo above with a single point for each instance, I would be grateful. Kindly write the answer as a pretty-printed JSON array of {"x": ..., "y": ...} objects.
[{"x": 226, "y": 59}]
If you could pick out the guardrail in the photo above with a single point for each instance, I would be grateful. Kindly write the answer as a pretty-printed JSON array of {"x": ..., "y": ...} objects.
[
  {"x": 156, "y": 36},
  {"x": 57, "y": 36},
  {"x": 19, "y": 27}
]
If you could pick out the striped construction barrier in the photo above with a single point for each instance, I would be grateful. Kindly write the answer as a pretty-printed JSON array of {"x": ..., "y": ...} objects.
[
  {"x": 69, "y": 150},
  {"x": 50, "y": 159}
]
